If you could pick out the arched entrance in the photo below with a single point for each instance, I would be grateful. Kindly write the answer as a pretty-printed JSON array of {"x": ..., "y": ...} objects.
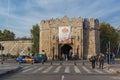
[{"x": 66, "y": 52}]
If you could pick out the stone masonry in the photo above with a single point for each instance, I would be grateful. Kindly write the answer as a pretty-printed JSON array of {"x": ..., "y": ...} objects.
[
  {"x": 84, "y": 35},
  {"x": 16, "y": 47}
]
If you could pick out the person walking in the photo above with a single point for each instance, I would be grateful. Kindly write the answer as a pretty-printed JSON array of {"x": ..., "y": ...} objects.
[
  {"x": 93, "y": 59},
  {"x": 113, "y": 58},
  {"x": 101, "y": 60}
]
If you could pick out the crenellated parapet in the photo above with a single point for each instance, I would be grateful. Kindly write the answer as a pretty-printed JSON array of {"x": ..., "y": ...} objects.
[
  {"x": 84, "y": 32},
  {"x": 63, "y": 21}
]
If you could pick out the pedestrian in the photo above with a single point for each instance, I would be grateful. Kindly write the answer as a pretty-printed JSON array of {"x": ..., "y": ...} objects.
[
  {"x": 93, "y": 59},
  {"x": 101, "y": 60},
  {"x": 113, "y": 58}
]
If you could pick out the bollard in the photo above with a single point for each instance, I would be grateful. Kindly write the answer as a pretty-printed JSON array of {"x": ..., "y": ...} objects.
[
  {"x": 51, "y": 62},
  {"x": 108, "y": 66},
  {"x": 83, "y": 63},
  {"x": 74, "y": 63},
  {"x": 19, "y": 62},
  {"x": 60, "y": 63},
  {"x": 42, "y": 62},
  {"x": 32, "y": 63},
  {"x": 1, "y": 62}
]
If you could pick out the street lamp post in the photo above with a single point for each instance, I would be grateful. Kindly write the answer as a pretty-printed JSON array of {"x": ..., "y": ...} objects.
[
  {"x": 53, "y": 53},
  {"x": 2, "y": 48},
  {"x": 28, "y": 51},
  {"x": 108, "y": 55},
  {"x": 109, "y": 52}
]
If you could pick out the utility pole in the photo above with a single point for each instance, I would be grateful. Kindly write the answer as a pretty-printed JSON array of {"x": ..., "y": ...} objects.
[
  {"x": 109, "y": 52},
  {"x": 118, "y": 49},
  {"x": 28, "y": 51}
]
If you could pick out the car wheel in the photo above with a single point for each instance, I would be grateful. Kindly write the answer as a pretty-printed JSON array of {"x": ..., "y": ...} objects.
[
  {"x": 20, "y": 62},
  {"x": 32, "y": 62}
]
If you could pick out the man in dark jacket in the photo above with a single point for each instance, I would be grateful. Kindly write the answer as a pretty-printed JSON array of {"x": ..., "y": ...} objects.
[{"x": 93, "y": 59}]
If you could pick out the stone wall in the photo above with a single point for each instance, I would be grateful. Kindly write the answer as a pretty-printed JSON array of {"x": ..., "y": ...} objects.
[
  {"x": 16, "y": 47},
  {"x": 85, "y": 35},
  {"x": 91, "y": 38}
]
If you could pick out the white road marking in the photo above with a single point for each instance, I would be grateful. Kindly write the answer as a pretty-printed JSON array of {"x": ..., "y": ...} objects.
[
  {"x": 87, "y": 70},
  {"x": 62, "y": 77},
  {"x": 57, "y": 69},
  {"x": 107, "y": 71},
  {"x": 98, "y": 71},
  {"x": 39, "y": 69},
  {"x": 116, "y": 78},
  {"x": 48, "y": 69},
  {"x": 76, "y": 69},
  {"x": 28, "y": 69},
  {"x": 67, "y": 69}
]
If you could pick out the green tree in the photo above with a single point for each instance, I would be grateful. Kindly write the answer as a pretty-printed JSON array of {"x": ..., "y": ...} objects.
[
  {"x": 108, "y": 33},
  {"x": 118, "y": 32},
  {"x": 1, "y": 35},
  {"x": 118, "y": 47},
  {"x": 35, "y": 38},
  {"x": 6, "y": 35}
]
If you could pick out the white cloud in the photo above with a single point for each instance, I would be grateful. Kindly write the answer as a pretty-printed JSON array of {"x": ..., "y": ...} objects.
[{"x": 21, "y": 17}]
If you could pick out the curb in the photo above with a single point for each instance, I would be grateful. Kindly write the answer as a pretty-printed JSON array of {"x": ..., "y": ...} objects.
[
  {"x": 10, "y": 71},
  {"x": 114, "y": 71}
]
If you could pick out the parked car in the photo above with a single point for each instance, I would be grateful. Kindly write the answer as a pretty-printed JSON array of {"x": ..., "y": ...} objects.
[
  {"x": 29, "y": 59},
  {"x": 24, "y": 59},
  {"x": 40, "y": 58}
]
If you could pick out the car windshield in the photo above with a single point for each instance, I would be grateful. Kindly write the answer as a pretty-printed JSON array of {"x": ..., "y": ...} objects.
[
  {"x": 40, "y": 55},
  {"x": 21, "y": 56},
  {"x": 28, "y": 57},
  {"x": 24, "y": 57}
]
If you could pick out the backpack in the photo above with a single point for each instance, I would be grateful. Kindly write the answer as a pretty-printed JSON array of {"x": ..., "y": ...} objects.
[
  {"x": 92, "y": 58},
  {"x": 101, "y": 57}
]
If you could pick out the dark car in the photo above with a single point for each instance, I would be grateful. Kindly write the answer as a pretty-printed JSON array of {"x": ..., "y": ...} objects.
[
  {"x": 20, "y": 59},
  {"x": 24, "y": 59},
  {"x": 40, "y": 58}
]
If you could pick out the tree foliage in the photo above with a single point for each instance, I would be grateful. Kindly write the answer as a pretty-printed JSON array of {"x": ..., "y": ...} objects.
[
  {"x": 118, "y": 32},
  {"x": 108, "y": 34},
  {"x": 6, "y": 35},
  {"x": 35, "y": 38}
]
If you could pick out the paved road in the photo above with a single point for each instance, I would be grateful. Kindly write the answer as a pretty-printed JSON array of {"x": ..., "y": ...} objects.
[{"x": 61, "y": 72}]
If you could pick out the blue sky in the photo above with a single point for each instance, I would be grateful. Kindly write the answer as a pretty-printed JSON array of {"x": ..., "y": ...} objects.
[{"x": 19, "y": 15}]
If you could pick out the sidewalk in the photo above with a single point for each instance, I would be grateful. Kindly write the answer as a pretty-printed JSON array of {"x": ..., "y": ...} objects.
[
  {"x": 7, "y": 68},
  {"x": 115, "y": 68}
]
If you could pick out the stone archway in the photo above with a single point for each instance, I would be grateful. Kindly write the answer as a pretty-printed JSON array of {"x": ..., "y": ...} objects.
[{"x": 65, "y": 52}]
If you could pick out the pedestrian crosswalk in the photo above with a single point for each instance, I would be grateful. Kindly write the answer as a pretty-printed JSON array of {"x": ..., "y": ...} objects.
[
  {"x": 48, "y": 69},
  {"x": 39, "y": 69},
  {"x": 67, "y": 69},
  {"x": 62, "y": 69},
  {"x": 57, "y": 69},
  {"x": 77, "y": 70},
  {"x": 86, "y": 69}
]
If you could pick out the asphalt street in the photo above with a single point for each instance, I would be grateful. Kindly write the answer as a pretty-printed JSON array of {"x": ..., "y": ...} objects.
[{"x": 61, "y": 72}]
